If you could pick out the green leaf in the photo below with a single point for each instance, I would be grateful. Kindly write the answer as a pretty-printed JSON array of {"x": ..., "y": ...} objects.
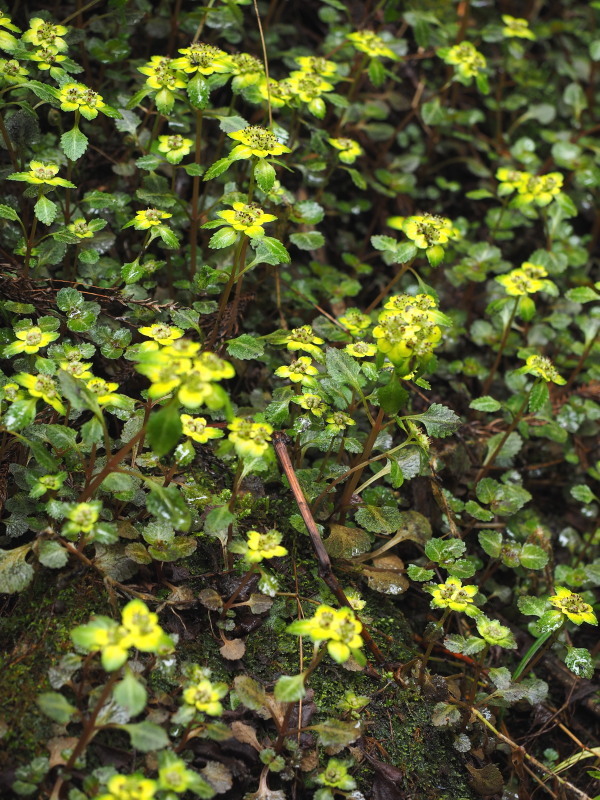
[
  {"x": 392, "y": 396},
  {"x": 6, "y": 212},
  {"x": 491, "y": 543},
  {"x": 475, "y": 510},
  {"x": 218, "y": 520},
  {"x": 217, "y": 168},
  {"x": 164, "y": 429},
  {"x": 444, "y": 550},
  {"x": 56, "y": 706},
  {"x": 146, "y": 736},
  {"x": 511, "y": 446},
  {"x": 532, "y": 606},
  {"x": 15, "y": 573},
  {"x": 310, "y": 240},
  {"x": 580, "y": 662},
  {"x": 379, "y": 519},
  {"x": 539, "y": 396},
  {"x": 223, "y": 238},
  {"x": 376, "y": 72},
  {"x": 251, "y": 693},
  {"x": 130, "y": 694},
  {"x": 337, "y": 733},
  {"x": 268, "y": 250},
  {"x": 549, "y": 621},
  {"x": 533, "y": 557},
  {"x": 52, "y": 554},
  {"x": 439, "y": 420},
  {"x": 198, "y": 90},
  {"x": 168, "y": 237},
  {"x": 264, "y": 174},
  {"x": 19, "y": 415},
  {"x": 486, "y": 403},
  {"x": 289, "y": 688},
  {"x": 343, "y": 368},
  {"x": 582, "y": 294},
  {"x": 167, "y": 504},
  {"x": 416, "y": 573},
  {"x": 583, "y": 493},
  {"x": 45, "y": 210},
  {"x": 74, "y": 143},
  {"x": 245, "y": 347}
]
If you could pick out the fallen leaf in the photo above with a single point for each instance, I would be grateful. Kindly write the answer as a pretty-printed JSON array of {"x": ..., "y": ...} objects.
[
  {"x": 245, "y": 734},
  {"x": 219, "y": 777},
  {"x": 386, "y": 575},
  {"x": 211, "y": 599},
  {"x": 56, "y": 748},
  {"x": 233, "y": 649},
  {"x": 344, "y": 542},
  {"x": 487, "y": 780}
]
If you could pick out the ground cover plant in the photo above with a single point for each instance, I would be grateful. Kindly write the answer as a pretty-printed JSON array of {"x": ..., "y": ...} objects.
[{"x": 299, "y": 391}]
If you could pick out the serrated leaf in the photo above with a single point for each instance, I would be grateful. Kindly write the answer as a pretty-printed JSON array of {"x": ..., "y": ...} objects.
[
  {"x": 533, "y": 557},
  {"x": 580, "y": 662},
  {"x": 439, "y": 420},
  {"x": 539, "y": 396},
  {"x": 583, "y": 493},
  {"x": 166, "y": 503},
  {"x": 268, "y": 250},
  {"x": 289, "y": 688},
  {"x": 264, "y": 174},
  {"x": 416, "y": 573},
  {"x": 251, "y": 692},
  {"x": 491, "y": 542},
  {"x": 443, "y": 550},
  {"x": 130, "y": 693},
  {"x": 198, "y": 90},
  {"x": 56, "y": 706},
  {"x": 245, "y": 347},
  {"x": 379, "y": 519},
  {"x": 52, "y": 554},
  {"x": 486, "y": 403},
  {"x": 344, "y": 542},
  {"x": 582, "y": 294},
  {"x": 532, "y": 606},
  {"x": 445, "y": 715},
  {"x": 6, "y": 212},
  {"x": 337, "y": 733},
  {"x": 146, "y": 736},
  {"x": 343, "y": 368},
  {"x": 74, "y": 143},
  {"x": 310, "y": 240},
  {"x": 217, "y": 168},
  {"x": 45, "y": 210},
  {"x": 164, "y": 429},
  {"x": 223, "y": 238},
  {"x": 15, "y": 573}
]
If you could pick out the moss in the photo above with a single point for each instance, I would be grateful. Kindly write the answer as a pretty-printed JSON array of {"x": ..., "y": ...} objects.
[{"x": 35, "y": 636}]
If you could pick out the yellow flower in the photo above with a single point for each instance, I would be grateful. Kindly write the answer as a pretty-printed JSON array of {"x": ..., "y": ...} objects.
[
  {"x": 541, "y": 367},
  {"x": 47, "y": 57},
  {"x": 318, "y": 65},
  {"x": 304, "y": 339},
  {"x": 339, "y": 628},
  {"x": 80, "y": 228},
  {"x": 427, "y": 230},
  {"x": 311, "y": 402},
  {"x": 181, "y": 348},
  {"x": 78, "y": 369},
  {"x": 104, "y": 391},
  {"x": 526, "y": 280},
  {"x": 11, "y": 72},
  {"x": 203, "y": 58},
  {"x": 175, "y": 147},
  {"x": 250, "y": 439},
  {"x": 42, "y": 386},
  {"x": 30, "y": 341},
  {"x": 247, "y": 217},
  {"x": 453, "y": 595},
  {"x": 264, "y": 545},
  {"x": 256, "y": 141},
  {"x": 83, "y": 517},
  {"x": 355, "y": 321},
  {"x": 104, "y": 634},
  {"x": 373, "y": 45},
  {"x": 148, "y": 218},
  {"x": 78, "y": 97},
  {"x": 198, "y": 430},
  {"x": 164, "y": 372},
  {"x": 247, "y": 70},
  {"x": 349, "y": 149},
  {"x": 130, "y": 787},
  {"x": 40, "y": 173},
  {"x": 142, "y": 630},
  {"x": 161, "y": 333},
  {"x": 308, "y": 86},
  {"x": 299, "y": 371},
  {"x": 42, "y": 33},
  {"x": 538, "y": 189},
  {"x": 205, "y": 696},
  {"x": 162, "y": 73},
  {"x": 573, "y": 606},
  {"x": 280, "y": 92},
  {"x": 516, "y": 27},
  {"x": 338, "y": 421},
  {"x": 469, "y": 62},
  {"x": 361, "y": 349}
]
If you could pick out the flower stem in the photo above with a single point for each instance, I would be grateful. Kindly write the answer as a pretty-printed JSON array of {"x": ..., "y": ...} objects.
[
  {"x": 505, "y": 333},
  {"x": 195, "y": 198},
  {"x": 387, "y": 288},
  {"x": 431, "y": 645},
  {"x": 364, "y": 456}
]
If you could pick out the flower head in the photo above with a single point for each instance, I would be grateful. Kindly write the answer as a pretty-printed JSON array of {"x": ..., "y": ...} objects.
[
  {"x": 104, "y": 391},
  {"x": 162, "y": 74},
  {"x": 304, "y": 339},
  {"x": 247, "y": 217},
  {"x": 541, "y": 367},
  {"x": 83, "y": 517},
  {"x": 573, "y": 606},
  {"x": 495, "y": 633},
  {"x": 355, "y": 321},
  {"x": 529, "y": 279},
  {"x": 247, "y": 70},
  {"x": 339, "y": 627},
  {"x": 43, "y": 386},
  {"x": 318, "y": 65},
  {"x": 196, "y": 428},
  {"x": 250, "y": 439},
  {"x": 264, "y": 546},
  {"x": 299, "y": 371},
  {"x": 141, "y": 629},
  {"x": 361, "y": 349},
  {"x": 453, "y": 595},
  {"x": 80, "y": 228},
  {"x": 130, "y": 787},
  {"x": 11, "y": 72},
  {"x": 337, "y": 421},
  {"x": 42, "y": 33},
  {"x": 349, "y": 149},
  {"x": 174, "y": 147},
  {"x": 429, "y": 232},
  {"x": 516, "y": 27},
  {"x": 148, "y": 218},
  {"x": 46, "y": 57},
  {"x": 336, "y": 775},
  {"x": 202, "y": 58},
  {"x": 30, "y": 340},
  {"x": 205, "y": 696},
  {"x": 256, "y": 141},
  {"x": 373, "y": 45},
  {"x": 161, "y": 333},
  {"x": 311, "y": 402},
  {"x": 40, "y": 173},
  {"x": 78, "y": 97}
]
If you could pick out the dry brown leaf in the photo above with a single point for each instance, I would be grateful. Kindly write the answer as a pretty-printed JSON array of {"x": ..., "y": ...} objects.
[
  {"x": 211, "y": 599},
  {"x": 57, "y": 746},
  {"x": 219, "y": 777},
  {"x": 386, "y": 575},
  {"x": 233, "y": 649},
  {"x": 245, "y": 734},
  {"x": 344, "y": 542}
]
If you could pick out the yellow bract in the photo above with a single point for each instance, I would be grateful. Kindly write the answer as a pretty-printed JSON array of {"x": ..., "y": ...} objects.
[
  {"x": 256, "y": 141},
  {"x": 339, "y": 627},
  {"x": 248, "y": 218},
  {"x": 373, "y": 45},
  {"x": 129, "y": 787},
  {"x": 250, "y": 439},
  {"x": 205, "y": 696},
  {"x": 264, "y": 546},
  {"x": 198, "y": 429},
  {"x": 453, "y": 595},
  {"x": 573, "y": 606}
]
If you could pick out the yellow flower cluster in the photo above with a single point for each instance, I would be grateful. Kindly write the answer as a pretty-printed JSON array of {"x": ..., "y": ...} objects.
[
  {"x": 139, "y": 628},
  {"x": 178, "y": 367},
  {"x": 250, "y": 439},
  {"x": 205, "y": 696},
  {"x": 409, "y": 330},
  {"x": 528, "y": 279},
  {"x": 573, "y": 606},
  {"x": 453, "y": 595},
  {"x": 465, "y": 57},
  {"x": 541, "y": 367},
  {"x": 371, "y": 44},
  {"x": 261, "y": 546},
  {"x": 338, "y": 627},
  {"x": 427, "y": 232},
  {"x": 538, "y": 189}
]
